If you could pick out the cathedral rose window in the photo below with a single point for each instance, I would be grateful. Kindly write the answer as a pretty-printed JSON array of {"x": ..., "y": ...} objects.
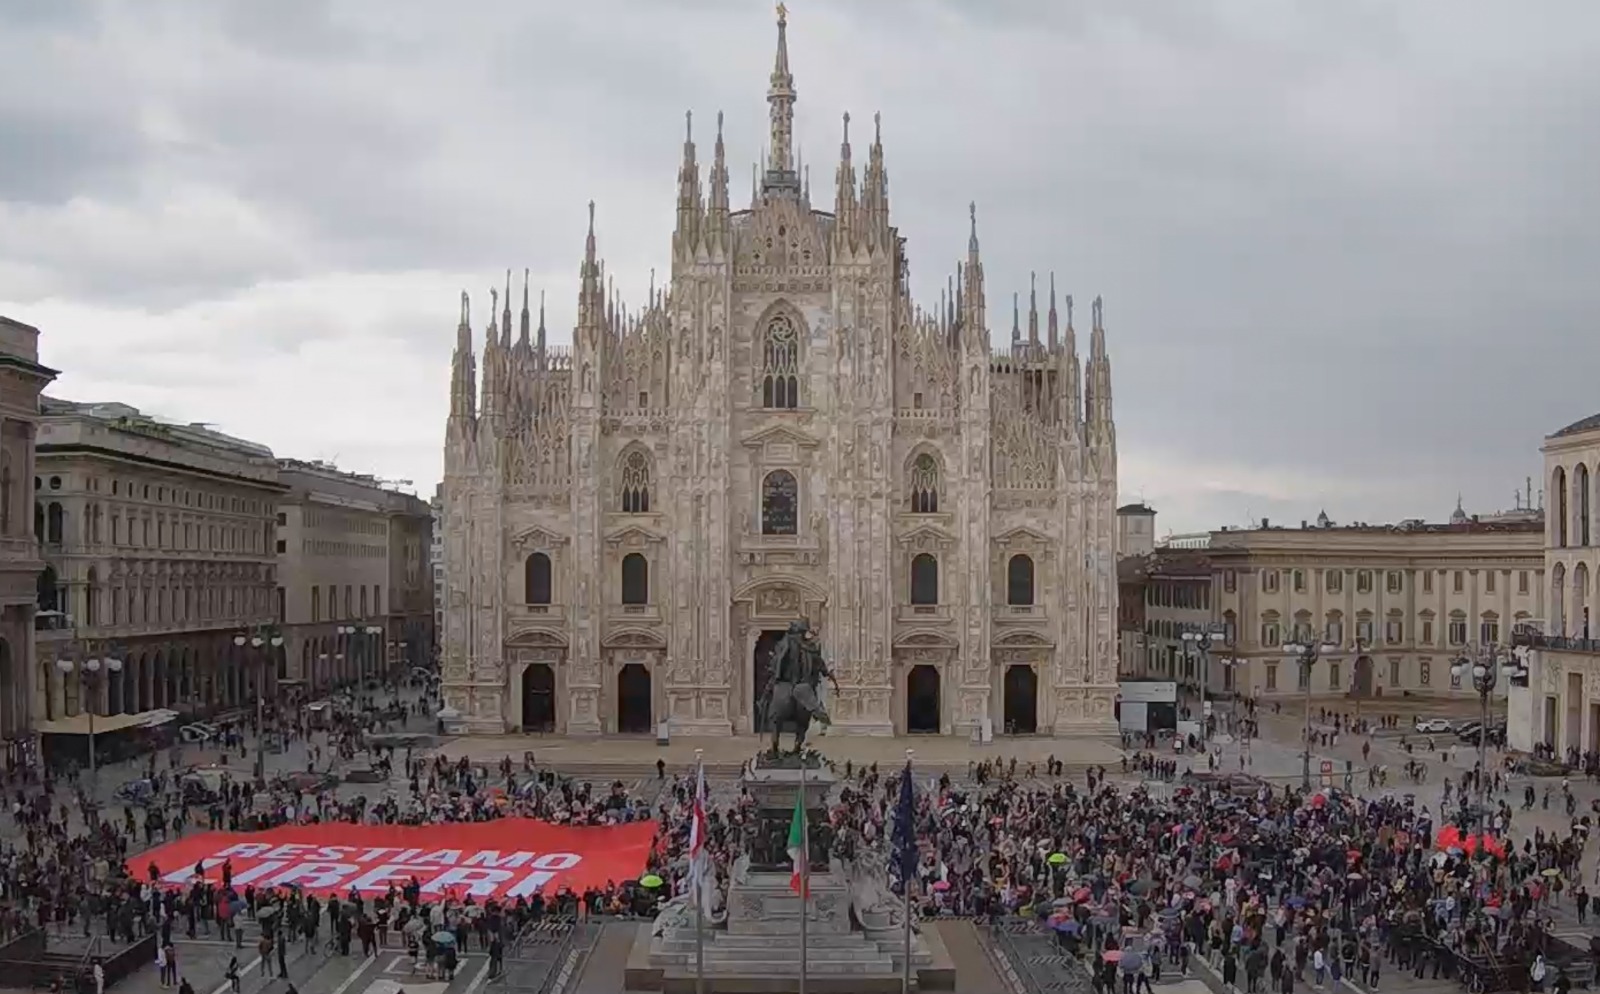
[
  {"x": 780, "y": 503},
  {"x": 780, "y": 365},
  {"x": 924, "y": 485}
]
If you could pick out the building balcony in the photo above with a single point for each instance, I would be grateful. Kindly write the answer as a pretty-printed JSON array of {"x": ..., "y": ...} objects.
[
  {"x": 910, "y": 613},
  {"x": 1020, "y": 613},
  {"x": 633, "y": 613},
  {"x": 537, "y": 611}
]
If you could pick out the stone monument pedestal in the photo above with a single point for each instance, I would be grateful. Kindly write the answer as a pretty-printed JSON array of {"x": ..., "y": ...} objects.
[{"x": 757, "y": 949}]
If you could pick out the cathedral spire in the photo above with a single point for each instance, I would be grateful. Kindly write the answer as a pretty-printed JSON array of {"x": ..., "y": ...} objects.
[
  {"x": 464, "y": 368},
  {"x": 1098, "y": 387},
  {"x": 591, "y": 291},
  {"x": 688, "y": 191},
  {"x": 974, "y": 328},
  {"x": 541, "y": 326},
  {"x": 719, "y": 182},
  {"x": 781, "y": 174},
  {"x": 875, "y": 188},
  {"x": 505, "y": 316},
  {"x": 1016, "y": 322},
  {"x": 1055, "y": 338},
  {"x": 1033, "y": 311},
  {"x": 844, "y": 197},
  {"x": 527, "y": 315}
]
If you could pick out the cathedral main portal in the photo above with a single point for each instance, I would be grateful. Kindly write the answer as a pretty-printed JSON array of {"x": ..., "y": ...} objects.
[{"x": 761, "y": 672}]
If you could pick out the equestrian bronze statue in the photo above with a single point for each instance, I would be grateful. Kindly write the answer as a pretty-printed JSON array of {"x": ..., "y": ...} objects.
[{"x": 795, "y": 667}]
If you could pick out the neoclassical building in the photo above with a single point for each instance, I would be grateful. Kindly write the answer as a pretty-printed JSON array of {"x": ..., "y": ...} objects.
[
  {"x": 21, "y": 380},
  {"x": 1399, "y": 603},
  {"x": 779, "y": 432},
  {"x": 160, "y": 545},
  {"x": 1561, "y": 706}
]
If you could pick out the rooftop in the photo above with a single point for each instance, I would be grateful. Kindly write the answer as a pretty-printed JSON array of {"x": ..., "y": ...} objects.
[
  {"x": 126, "y": 417},
  {"x": 1138, "y": 508},
  {"x": 1589, "y": 423}
]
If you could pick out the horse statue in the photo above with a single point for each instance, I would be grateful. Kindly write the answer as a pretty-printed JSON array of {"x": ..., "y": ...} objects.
[{"x": 796, "y": 666}]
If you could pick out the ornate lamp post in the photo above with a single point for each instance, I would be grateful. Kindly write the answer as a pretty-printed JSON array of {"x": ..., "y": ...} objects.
[
  {"x": 1306, "y": 654},
  {"x": 88, "y": 672},
  {"x": 1485, "y": 672},
  {"x": 261, "y": 639},
  {"x": 1202, "y": 642}
]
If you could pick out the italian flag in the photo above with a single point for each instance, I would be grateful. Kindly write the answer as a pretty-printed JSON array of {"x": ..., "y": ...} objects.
[{"x": 800, "y": 879}]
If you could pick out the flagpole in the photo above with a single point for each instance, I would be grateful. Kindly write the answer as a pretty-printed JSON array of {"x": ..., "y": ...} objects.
[
  {"x": 805, "y": 873},
  {"x": 697, "y": 875},
  {"x": 905, "y": 885}
]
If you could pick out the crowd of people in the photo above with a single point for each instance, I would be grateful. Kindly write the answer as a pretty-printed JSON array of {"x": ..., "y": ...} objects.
[{"x": 1148, "y": 868}]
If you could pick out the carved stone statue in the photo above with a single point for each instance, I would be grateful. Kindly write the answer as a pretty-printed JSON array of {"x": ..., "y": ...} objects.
[
  {"x": 871, "y": 901},
  {"x": 791, "y": 691}
]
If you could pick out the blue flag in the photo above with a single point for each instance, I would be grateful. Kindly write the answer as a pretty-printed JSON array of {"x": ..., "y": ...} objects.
[{"x": 905, "y": 833}]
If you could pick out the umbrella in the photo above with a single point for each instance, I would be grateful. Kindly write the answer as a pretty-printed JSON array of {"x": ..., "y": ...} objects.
[
  {"x": 1066, "y": 927},
  {"x": 650, "y": 880},
  {"x": 941, "y": 885},
  {"x": 444, "y": 938},
  {"x": 1057, "y": 858},
  {"x": 1112, "y": 955},
  {"x": 267, "y": 912},
  {"x": 1192, "y": 882},
  {"x": 1552, "y": 872}
]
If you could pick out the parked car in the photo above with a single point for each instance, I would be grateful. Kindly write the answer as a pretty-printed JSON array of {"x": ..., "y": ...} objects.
[
  {"x": 1496, "y": 733},
  {"x": 1433, "y": 726},
  {"x": 1467, "y": 730}
]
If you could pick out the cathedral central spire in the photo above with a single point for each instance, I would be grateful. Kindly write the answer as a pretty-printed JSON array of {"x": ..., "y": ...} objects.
[{"x": 781, "y": 172}]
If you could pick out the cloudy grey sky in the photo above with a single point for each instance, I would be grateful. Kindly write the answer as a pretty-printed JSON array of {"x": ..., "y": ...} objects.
[{"x": 1347, "y": 249}]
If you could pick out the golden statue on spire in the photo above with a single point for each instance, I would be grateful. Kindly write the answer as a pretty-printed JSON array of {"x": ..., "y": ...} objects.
[{"x": 783, "y": 13}]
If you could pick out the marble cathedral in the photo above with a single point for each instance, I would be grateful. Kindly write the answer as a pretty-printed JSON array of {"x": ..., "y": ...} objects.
[{"x": 781, "y": 433}]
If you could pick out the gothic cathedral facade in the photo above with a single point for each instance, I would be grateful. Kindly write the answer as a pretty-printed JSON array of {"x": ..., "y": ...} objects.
[{"x": 780, "y": 433}]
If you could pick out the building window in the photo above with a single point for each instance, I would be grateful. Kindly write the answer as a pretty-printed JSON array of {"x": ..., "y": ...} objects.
[
  {"x": 924, "y": 579},
  {"x": 1393, "y": 582},
  {"x": 1364, "y": 581},
  {"x": 1230, "y": 582},
  {"x": 1489, "y": 632},
  {"x": 1269, "y": 580},
  {"x": 1270, "y": 634},
  {"x": 924, "y": 485},
  {"x": 1394, "y": 672},
  {"x": 1302, "y": 676},
  {"x": 1334, "y": 634},
  {"x": 1458, "y": 582},
  {"x": 536, "y": 579},
  {"x": 1019, "y": 580},
  {"x": 1333, "y": 580},
  {"x": 1522, "y": 581},
  {"x": 1427, "y": 581},
  {"x": 1394, "y": 631},
  {"x": 636, "y": 483},
  {"x": 635, "y": 579},
  {"x": 1364, "y": 631},
  {"x": 1333, "y": 677},
  {"x": 1298, "y": 579},
  {"x": 1427, "y": 633},
  {"x": 281, "y": 546},
  {"x": 1425, "y": 672},
  {"x": 316, "y": 604},
  {"x": 1488, "y": 581},
  {"x": 1272, "y": 677},
  {"x": 780, "y": 365},
  {"x": 55, "y": 523},
  {"x": 1458, "y": 631},
  {"x": 780, "y": 499}
]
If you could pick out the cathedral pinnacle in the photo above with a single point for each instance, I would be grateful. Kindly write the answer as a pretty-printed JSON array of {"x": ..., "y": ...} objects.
[{"x": 781, "y": 173}]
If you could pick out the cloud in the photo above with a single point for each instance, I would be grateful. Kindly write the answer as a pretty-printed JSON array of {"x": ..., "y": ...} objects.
[{"x": 1346, "y": 250}]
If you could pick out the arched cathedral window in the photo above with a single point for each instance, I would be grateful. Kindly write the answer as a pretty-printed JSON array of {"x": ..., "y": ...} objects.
[
  {"x": 780, "y": 503},
  {"x": 924, "y": 580},
  {"x": 780, "y": 365},
  {"x": 924, "y": 485},
  {"x": 636, "y": 483},
  {"x": 1019, "y": 580}
]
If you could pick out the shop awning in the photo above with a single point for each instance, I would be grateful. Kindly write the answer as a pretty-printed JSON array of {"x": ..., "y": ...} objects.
[{"x": 78, "y": 724}]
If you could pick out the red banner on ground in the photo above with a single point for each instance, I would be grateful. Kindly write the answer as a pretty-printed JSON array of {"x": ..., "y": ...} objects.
[{"x": 506, "y": 858}]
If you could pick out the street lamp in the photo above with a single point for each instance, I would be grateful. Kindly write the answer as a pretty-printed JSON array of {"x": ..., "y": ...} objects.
[
  {"x": 260, "y": 639},
  {"x": 1485, "y": 673},
  {"x": 365, "y": 644},
  {"x": 1306, "y": 655},
  {"x": 88, "y": 672},
  {"x": 1201, "y": 642}
]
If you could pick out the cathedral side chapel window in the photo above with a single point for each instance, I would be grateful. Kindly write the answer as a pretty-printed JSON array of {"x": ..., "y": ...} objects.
[
  {"x": 780, "y": 503},
  {"x": 924, "y": 485},
  {"x": 536, "y": 578},
  {"x": 635, "y": 579},
  {"x": 924, "y": 580},
  {"x": 636, "y": 484},
  {"x": 780, "y": 365}
]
